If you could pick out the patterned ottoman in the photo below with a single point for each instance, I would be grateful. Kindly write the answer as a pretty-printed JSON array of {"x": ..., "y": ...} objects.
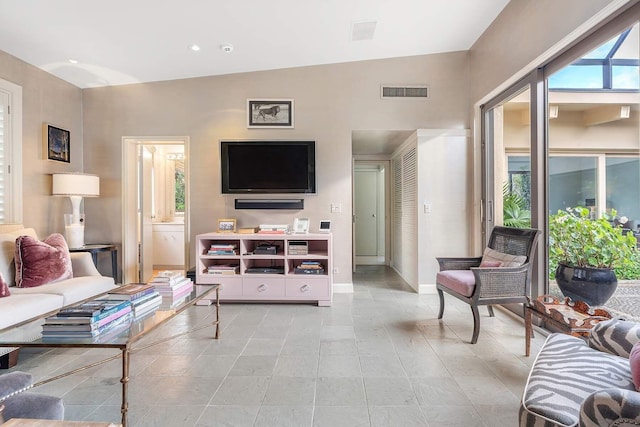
[{"x": 578, "y": 383}]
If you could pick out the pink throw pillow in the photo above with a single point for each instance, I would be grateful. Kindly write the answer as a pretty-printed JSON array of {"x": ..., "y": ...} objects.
[
  {"x": 43, "y": 262},
  {"x": 634, "y": 364},
  {"x": 4, "y": 288},
  {"x": 490, "y": 264}
]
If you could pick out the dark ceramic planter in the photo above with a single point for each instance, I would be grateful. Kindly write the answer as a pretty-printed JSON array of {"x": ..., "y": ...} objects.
[{"x": 591, "y": 285}]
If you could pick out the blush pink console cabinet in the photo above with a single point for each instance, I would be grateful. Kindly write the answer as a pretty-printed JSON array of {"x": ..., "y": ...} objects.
[{"x": 266, "y": 267}]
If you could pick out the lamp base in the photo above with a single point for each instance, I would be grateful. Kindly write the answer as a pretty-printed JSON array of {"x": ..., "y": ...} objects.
[{"x": 74, "y": 230}]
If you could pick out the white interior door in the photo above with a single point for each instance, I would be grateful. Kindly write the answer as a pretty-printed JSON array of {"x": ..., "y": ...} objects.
[
  {"x": 366, "y": 212},
  {"x": 145, "y": 194}
]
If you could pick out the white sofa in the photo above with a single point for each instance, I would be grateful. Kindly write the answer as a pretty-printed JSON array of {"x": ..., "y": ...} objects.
[{"x": 26, "y": 303}]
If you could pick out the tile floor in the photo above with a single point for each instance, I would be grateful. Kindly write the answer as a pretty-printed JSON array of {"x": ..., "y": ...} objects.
[{"x": 377, "y": 357}]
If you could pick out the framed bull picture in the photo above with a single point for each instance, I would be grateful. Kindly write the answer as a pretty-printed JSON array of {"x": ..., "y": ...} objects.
[{"x": 269, "y": 113}]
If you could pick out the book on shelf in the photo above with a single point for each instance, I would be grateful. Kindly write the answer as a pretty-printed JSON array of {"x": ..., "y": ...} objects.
[
  {"x": 223, "y": 269},
  {"x": 310, "y": 265},
  {"x": 223, "y": 249},
  {"x": 131, "y": 291},
  {"x": 273, "y": 228}
]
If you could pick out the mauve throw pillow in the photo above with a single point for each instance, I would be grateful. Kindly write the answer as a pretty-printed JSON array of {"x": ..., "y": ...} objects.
[
  {"x": 491, "y": 264},
  {"x": 4, "y": 288},
  {"x": 634, "y": 364},
  {"x": 43, "y": 262}
]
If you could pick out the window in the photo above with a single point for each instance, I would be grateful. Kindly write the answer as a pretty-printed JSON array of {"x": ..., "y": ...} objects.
[
  {"x": 612, "y": 66},
  {"x": 10, "y": 152}
]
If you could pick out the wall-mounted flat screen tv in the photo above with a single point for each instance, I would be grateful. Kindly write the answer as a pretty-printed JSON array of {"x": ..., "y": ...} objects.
[{"x": 268, "y": 167}]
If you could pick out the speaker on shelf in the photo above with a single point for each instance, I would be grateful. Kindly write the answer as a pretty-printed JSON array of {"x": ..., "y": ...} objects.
[{"x": 269, "y": 204}]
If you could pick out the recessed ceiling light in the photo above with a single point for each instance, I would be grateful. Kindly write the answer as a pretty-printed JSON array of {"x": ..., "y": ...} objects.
[
  {"x": 226, "y": 48},
  {"x": 73, "y": 61},
  {"x": 194, "y": 47}
]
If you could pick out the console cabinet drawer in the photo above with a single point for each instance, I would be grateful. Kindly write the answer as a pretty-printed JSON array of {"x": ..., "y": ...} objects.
[
  {"x": 260, "y": 288},
  {"x": 231, "y": 287},
  {"x": 311, "y": 288}
]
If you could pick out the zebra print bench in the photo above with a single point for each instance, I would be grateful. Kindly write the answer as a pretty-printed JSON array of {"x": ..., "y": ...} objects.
[{"x": 586, "y": 384}]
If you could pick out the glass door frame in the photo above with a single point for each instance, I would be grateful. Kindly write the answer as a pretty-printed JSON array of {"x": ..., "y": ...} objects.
[{"x": 538, "y": 107}]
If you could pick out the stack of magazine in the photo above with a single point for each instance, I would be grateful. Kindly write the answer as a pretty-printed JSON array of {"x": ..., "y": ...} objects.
[
  {"x": 173, "y": 286},
  {"x": 143, "y": 297},
  {"x": 88, "y": 320}
]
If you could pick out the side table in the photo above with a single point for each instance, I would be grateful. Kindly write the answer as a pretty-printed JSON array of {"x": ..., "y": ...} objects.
[
  {"x": 573, "y": 318},
  {"x": 94, "y": 249}
]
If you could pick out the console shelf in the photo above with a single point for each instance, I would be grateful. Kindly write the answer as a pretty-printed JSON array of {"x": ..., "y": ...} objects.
[{"x": 287, "y": 267}]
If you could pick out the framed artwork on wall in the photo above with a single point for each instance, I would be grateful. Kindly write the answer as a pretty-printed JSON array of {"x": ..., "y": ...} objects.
[
  {"x": 269, "y": 113},
  {"x": 301, "y": 226},
  {"x": 57, "y": 143},
  {"x": 226, "y": 225}
]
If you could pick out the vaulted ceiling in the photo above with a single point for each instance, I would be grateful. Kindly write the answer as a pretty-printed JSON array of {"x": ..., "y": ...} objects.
[{"x": 93, "y": 43}]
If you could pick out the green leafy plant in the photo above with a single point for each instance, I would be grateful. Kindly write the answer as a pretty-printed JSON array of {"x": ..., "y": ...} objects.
[
  {"x": 577, "y": 240},
  {"x": 515, "y": 213}
]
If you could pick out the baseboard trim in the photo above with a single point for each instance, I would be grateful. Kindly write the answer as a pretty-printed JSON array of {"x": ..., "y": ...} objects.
[
  {"x": 427, "y": 289},
  {"x": 343, "y": 288}
]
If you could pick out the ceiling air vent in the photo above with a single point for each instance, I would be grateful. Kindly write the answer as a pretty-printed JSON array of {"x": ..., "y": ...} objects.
[{"x": 404, "y": 91}]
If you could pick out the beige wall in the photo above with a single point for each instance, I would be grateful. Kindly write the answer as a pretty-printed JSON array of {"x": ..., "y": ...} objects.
[
  {"x": 46, "y": 99},
  {"x": 330, "y": 102}
]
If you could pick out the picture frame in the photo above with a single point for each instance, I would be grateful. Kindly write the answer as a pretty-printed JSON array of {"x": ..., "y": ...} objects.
[
  {"x": 301, "y": 226},
  {"x": 57, "y": 143},
  {"x": 325, "y": 226},
  {"x": 226, "y": 225},
  {"x": 270, "y": 113}
]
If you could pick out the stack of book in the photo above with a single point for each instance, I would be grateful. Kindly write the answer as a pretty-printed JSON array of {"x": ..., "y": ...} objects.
[
  {"x": 174, "y": 287},
  {"x": 273, "y": 229},
  {"x": 223, "y": 249},
  {"x": 309, "y": 267},
  {"x": 223, "y": 269},
  {"x": 88, "y": 320},
  {"x": 143, "y": 297}
]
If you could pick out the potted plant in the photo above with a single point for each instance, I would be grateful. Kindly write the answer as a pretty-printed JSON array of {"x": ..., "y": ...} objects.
[{"x": 586, "y": 251}]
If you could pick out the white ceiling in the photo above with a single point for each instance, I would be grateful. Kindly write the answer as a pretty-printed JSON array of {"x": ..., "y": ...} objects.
[{"x": 129, "y": 41}]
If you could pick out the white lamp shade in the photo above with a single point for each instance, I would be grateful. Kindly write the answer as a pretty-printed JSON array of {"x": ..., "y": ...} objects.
[{"x": 76, "y": 184}]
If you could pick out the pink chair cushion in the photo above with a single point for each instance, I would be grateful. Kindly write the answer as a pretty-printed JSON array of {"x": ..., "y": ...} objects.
[{"x": 460, "y": 281}]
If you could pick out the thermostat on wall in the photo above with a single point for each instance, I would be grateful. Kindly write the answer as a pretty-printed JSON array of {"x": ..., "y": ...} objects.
[{"x": 325, "y": 226}]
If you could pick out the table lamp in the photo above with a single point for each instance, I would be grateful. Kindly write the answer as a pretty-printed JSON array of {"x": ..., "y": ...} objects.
[{"x": 75, "y": 186}]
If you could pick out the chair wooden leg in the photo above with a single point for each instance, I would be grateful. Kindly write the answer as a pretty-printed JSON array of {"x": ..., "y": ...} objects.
[
  {"x": 490, "y": 309},
  {"x": 441, "y": 296},
  {"x": 476, "y": 324}
]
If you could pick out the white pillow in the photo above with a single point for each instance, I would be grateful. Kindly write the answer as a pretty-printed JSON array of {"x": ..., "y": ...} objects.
[{"x": 507, "y": 260}]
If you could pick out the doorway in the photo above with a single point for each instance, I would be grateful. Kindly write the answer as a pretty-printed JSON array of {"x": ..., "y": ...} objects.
[
  {"x": 155, "y": 191},
  {"x": 370, "y": 212}
]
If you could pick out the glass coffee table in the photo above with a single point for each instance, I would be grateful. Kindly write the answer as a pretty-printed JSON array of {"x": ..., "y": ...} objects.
[{"x": 29, "y": 334}]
